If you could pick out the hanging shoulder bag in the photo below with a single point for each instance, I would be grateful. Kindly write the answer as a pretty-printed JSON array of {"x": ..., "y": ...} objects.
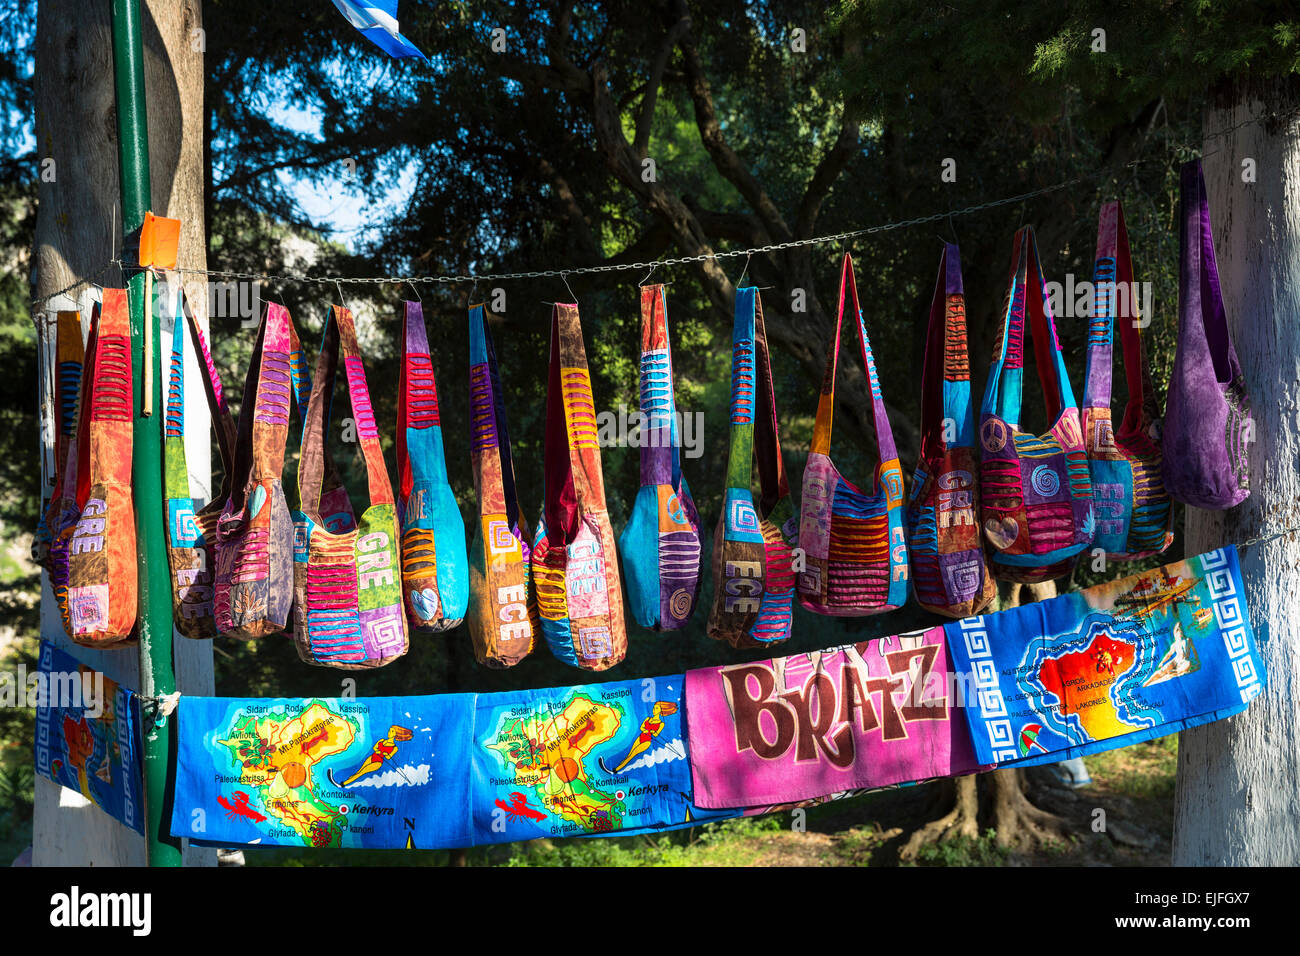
[
  {"x": 1035, "y": 490},
  {"x": 1134, "y": 513},
  {"x": 93, "y": 545},
  {"x": 347, "y": 579},
  {"x": 855, "y": 552},
  {"x": 502, "y": 610},
  {"x": 661, "y": 544},
  {"x": 1208, "y": 425},
  {"x": 575, "y": 564},
  {"x": 950, "y": 574},
  {"x": 69, "y": 360},
  {"x": 753, "y": 577},
  {"x": 254, "y": 540},
  {"x": 435, "y": 564},
  {"x": 192, "y": 529}
]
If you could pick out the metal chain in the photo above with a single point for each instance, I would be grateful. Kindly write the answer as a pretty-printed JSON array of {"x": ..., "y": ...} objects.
[
  {"x": 660, "y": 263},
  {"x": 590, "y": 270},
  {"x": 1271, "y": 536}
]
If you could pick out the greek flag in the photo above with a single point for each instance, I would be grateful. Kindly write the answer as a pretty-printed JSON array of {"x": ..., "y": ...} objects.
[{"x": 377, "y": 21}]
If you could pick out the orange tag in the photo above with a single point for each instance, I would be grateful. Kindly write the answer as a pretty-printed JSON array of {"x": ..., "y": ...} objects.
[{"x": 159, "y": 237}]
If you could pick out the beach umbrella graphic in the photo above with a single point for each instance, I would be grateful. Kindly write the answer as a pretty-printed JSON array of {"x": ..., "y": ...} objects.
[{"x": 1029, "y": 739}]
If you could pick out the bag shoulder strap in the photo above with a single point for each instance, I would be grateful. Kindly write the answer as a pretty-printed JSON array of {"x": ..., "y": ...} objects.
[
  {"x": 69, "y": 362},
  {"x": 222, "y": 422},
  {"x": 572, "y": 453},
  {"x": 1027, "y": 307},
  {"x": 1205, "y": 306},
  {"x": 76, "y": 481},
  {"x": 773, "y": 485},
  {"x": 417, "y": 404},
  {"x": 660, "y": 453},
  {"x": 821, "y": 442},
  {"x": 740, "y": 451},
  {"x": 494, "y": 469},
  {"x": 264, "y": 416},
  {"x": 109, "y": 376},
  {"x": 1114, "y": 296},
  {"x": 339, "y": 337},
  {"x": 945, "y": 372}
]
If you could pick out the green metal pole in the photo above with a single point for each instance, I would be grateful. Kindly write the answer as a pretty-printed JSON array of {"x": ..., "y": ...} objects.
[{"x": 154, "y": 617}]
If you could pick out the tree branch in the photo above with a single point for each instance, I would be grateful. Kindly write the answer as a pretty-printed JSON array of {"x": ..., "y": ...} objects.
[
  {"x": 641, "y": 144},
  {"x": 828, "y": 170},
  {"x": 725, "y": 159}
]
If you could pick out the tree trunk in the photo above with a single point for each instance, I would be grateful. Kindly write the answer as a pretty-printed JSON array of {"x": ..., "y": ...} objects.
[
  {"x": 1237, "y": 801},
  {"x": 78, "y": 230}
]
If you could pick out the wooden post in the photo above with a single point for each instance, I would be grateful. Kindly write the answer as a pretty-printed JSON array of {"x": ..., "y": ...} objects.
[{"x": 1237, "y": 801}]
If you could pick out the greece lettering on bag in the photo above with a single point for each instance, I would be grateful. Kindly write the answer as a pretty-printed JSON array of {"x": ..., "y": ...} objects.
[
  {"x": 502, "y": 610},
  {"x": 93, "y": 548},
  {"x": 347, "y": 587},
  {"x": 753, "y": 575}
]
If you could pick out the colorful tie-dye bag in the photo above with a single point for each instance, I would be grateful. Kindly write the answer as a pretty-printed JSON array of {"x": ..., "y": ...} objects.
[
  {"x": 950, "y": 574},
  {"x": 1134, "y": 513},
  {"x": 575, "y": 565},
  {"x": 1208, "y": 426},
  {"x": 92, "y": 548},
  {"x": 347, "y": 580},
  {"x": 753, "y": 577},
  {"x": 254, "y": 540},
  {"x": 1035, "y": 490},
  {"x": 435, "y": 565},
  {"x": 502, "y": 612},
  {"x": 69, "y": 359},
  {"x": 661, "y": 544},
  {"x": 855, "y": 551},
  {"x": 191, "y": 533}
]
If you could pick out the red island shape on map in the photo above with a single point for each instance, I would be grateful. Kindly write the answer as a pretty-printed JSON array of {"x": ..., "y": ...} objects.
[{"x": 1082, "y": 680}]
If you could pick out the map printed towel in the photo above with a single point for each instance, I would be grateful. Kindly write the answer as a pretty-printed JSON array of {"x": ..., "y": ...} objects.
[
  {"x": 1141, "y": 657},
  {"x": 582, "y": 761},
  {"x": 87, "y": 735},
  {"x": 860, "y": 716},
  {"x": 382, "y": 772}
]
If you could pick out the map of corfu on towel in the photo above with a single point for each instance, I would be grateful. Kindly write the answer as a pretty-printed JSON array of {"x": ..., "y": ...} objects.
[
  {"x": 1122, "y": 662},
  {"x": 325, "y": 772},
  {"x": 583, "y": 761}
]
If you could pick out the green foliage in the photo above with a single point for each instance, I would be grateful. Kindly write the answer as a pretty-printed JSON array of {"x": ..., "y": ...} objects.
[{"x": 964, "y": 851}]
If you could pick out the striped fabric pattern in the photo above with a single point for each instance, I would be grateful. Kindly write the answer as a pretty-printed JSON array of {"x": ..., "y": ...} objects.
[
  {"x": 753, "y": 577},
  {"x": 661, "y": 546},
  {"x": 348, "y": 606},
  {"x": 435, "y": 562},
  {"x": 1134, "y": 511},
  {"x": 855, "y": 550},
  {"x": 192, "y": 525},
  {"x": 1036, "y": 493}
]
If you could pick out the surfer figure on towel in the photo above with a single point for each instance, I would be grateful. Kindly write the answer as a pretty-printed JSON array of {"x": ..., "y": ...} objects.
[
  {"x": 382, "y": 751},
  {"x": 650, "y": 729}
]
